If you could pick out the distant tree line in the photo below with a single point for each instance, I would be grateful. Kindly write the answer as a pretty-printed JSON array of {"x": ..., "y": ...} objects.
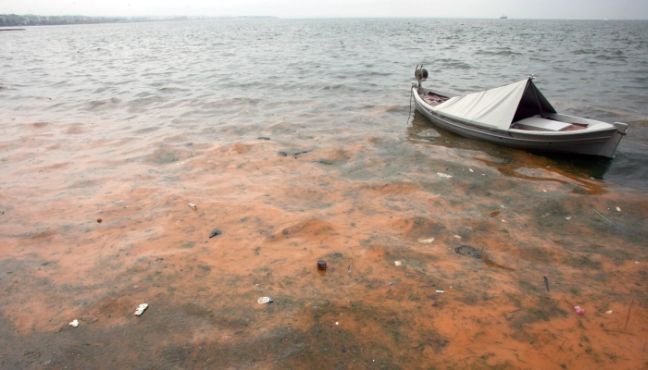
[{"x": 13, "y": 20}]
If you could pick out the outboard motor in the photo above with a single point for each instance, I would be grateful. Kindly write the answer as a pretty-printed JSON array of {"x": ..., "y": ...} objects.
[{"x": 421, "y": 74}]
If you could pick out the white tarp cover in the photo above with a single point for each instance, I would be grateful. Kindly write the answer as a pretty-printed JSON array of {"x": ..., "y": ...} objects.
[{"x": 497, "y": 107}]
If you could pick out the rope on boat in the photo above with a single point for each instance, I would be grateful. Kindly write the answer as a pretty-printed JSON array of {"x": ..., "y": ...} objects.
[{"x": 410, "y": 106}]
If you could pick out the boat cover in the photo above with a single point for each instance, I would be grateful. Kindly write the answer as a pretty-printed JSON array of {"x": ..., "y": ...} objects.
[{"x": 498, "y": 107}]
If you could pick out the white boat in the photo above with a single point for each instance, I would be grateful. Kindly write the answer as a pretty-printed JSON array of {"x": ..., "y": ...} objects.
[{"x": 517, "y": 115}]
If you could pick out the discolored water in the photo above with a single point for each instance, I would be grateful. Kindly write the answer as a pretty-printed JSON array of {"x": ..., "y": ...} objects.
[{"x": 292, "y": 138}]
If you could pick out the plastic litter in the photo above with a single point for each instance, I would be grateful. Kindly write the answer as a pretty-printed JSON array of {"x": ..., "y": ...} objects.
[
  {"x": 471, "y": 170},
  {"x": 568, "y": 218},
  {"x": 618, "y": 209},
  {"x": 397, "y": 263},
  {"x": 74, "y": 323},
  {"x": 193, "y": 206},
  {"x": 580, "y": 311},
  {"x": 440, "y": 291},
  {"x": 426, "y": 240},
  {"x": 608, "y": 312},
  {"x": 140, "y": 309},
  {"x": 444, "y": 175},
  {"x": 264, "y": 300}
]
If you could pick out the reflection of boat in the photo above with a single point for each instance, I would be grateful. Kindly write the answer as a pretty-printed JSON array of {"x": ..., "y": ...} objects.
[{"x": 517, "y": 115}]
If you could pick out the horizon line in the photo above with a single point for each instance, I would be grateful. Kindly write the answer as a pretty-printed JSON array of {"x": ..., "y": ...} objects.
[{"x": 170, "y": 17}]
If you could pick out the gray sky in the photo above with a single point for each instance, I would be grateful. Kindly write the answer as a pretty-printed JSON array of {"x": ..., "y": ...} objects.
[{"x": 574, "y": 9}]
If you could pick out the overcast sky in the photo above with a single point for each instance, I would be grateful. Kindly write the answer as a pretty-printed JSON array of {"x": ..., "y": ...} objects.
[{"x": 574, "y": 9}]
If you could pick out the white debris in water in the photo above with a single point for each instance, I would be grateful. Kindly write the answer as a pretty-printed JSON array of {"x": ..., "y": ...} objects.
[
  {"x": 457, "y": 236},
  {"x": 568, "y": 218},
  {"x": 397, "y": 263},
  {"x": 471, "y": 170},
  {"x": 444, "y": 175},
  {"x": 544, "y": 190},
  {"x": 618, "y": 209},
  {"x": 608, "y": 312},
  {"x": 193, "y": 206},
  {"x": 440, "y": 291},
  {"x": 337, "y": 323},
  {"x": 426, "y": 240},
  {"x": 140, "y": 309},
  {"x": 503, "y": 221},
  {"x": 264, "y": 300},
  {"x": 74, "y": 323}
]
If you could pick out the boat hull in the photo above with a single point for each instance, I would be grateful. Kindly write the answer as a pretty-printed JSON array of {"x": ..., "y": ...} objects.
[{"x": 600, "y": 143}]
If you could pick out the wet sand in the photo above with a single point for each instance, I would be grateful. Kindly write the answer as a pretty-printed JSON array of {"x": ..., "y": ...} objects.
[{"x": 424, "y": 270}]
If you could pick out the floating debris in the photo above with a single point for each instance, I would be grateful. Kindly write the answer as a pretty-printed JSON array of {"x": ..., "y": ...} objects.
[
  {"x": 263, "y": 138},
  {"x": 444, "y": 175},
  {"x": 321, "y": 265},
  {"x": 74, "y": 323},
  {"x": 546, "y": 281},
  {"x": 337, "y": 323},
  {"x": 466, "y": 250},
  {"x": 471, "y": 170},
  {"x": 214, "y": 233},
  {"x": 139, "y": 311},
  {"x": 580, "y": 311},
  {"x": 440, "y": 291},
  {"x": 457, "y": 236},
  {"x": 568, "y": 218},
  {"x": 608, "y": 312},
  {"x": 398, "y": 263},
  {"x": 426, "y": 240},
  {"x": 618, "y": 209},
  {"x": 264, "y": 300},
  {"x": 193, "y": 206}
]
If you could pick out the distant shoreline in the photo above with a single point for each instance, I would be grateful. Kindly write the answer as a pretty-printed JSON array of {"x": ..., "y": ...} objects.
[{"x": 14, "y": 20}]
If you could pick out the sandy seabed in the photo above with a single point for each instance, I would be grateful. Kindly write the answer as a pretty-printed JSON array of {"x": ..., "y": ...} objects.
[{"x": 424, "y": 270}]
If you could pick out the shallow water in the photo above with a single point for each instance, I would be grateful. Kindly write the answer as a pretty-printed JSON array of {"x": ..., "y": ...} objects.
[{"x": 293, "y": 139}]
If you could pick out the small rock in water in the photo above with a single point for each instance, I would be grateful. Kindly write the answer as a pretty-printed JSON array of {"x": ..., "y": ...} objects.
[
  {"x": 139, "y": 311},
  {"x": 215, "y": 232},
  {"x": 426, "y": 240},
  {"x": 264, "y": 300},
  {"x": 193, "y": 206},
  {"x": 444, "y": 175},
  {"x": 74, "y": 323},
  {"x": 321, "y": 265},
  {"x": 466, "y": 250}
]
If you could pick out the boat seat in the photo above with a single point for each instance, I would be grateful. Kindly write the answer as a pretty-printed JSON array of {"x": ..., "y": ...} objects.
[{"x": 540, "y": 124}]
